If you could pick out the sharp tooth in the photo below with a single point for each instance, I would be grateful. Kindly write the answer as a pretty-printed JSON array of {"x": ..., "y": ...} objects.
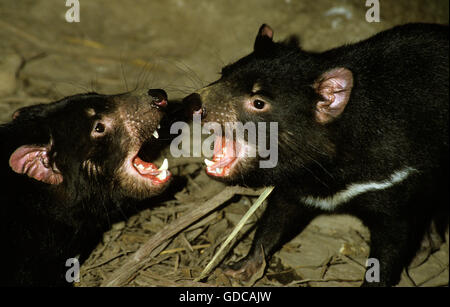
[
  {"x": 162, "y": 175},
  {"x": 164, "y": 166},
  {"x": 159, "y": 126},
  {"x": 209, "y": 163},
  {"x": 155, "y": 134},
  {"x": 219, "y": 170},
  {"x": 140, "y": 167}
]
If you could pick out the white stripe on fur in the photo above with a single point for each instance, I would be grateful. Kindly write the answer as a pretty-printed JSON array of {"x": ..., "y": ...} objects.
[{"x": 330, "y": 203}]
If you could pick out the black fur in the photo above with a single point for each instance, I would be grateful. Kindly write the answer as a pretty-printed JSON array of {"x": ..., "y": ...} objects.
[
  {"x": 396, "y": 117},
  {"x": 43, "y": 224}
]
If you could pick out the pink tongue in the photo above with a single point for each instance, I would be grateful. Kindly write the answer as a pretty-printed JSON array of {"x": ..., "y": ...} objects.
[
  {"x": 223, "y": 152},
  {"x": 224, "y": 148},
  {"x": 218, "y": 144},
  {"x": 149, "y": 172},
  {"x": 222, "y": 162}
]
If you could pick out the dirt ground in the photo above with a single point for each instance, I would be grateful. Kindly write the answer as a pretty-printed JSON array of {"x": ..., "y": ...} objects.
[{"x": 180, "y": 45}]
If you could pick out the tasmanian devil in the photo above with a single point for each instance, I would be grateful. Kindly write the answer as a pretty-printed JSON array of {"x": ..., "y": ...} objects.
[
  {"x": 69, "y": 169},
  {"x": 362, "y": 130}
]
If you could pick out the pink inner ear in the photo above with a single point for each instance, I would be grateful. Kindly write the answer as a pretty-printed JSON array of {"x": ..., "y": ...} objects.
[
  {"x": 266, "y": 31},
  {"x": 335, "y": 87},
  {"x": 33, "y": 161},
  {"x": 16, "y": 114}
]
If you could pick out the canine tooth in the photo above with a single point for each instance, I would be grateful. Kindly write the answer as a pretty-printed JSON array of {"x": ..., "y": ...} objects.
[
  {"x": 219, "y": 170},
  {"x": 155, "y": 134},
  {"x": 159, "y": 126},
  {"x": 162, "y": 175},
  {"x": 140, "y": 167},
  {"x": 164, "y": 166},
  {"x": 209, "y": 163}
]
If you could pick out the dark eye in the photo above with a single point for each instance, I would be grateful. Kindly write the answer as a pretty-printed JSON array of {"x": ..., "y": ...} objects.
[
  {"x": 99, "y": 128},
  {"x": 259, "y": 104}
]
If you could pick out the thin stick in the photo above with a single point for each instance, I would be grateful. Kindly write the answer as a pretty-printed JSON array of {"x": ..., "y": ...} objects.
[
  {"x": 108, "y": 260},
  {"x": 150, "y": 249},
  {"x": 235, "y": 231},
  {"x": 183, "y": 249},
  {"x": 303, "y": 281}
]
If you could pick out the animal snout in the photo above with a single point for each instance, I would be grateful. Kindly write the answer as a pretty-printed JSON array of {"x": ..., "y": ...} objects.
[
  {"x": 159, "y": 97},
  {"x": 194, "y": 105}
]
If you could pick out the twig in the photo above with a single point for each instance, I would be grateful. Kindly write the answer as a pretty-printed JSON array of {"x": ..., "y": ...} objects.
[
  {"x": 186, "y": 242},
  {"x": 177, "y": 263},
  {"x": 183, "y": 249},
  {"x": 318, "y": 266},
  {"x": 355, "y": 262},
  {"x": 304, "y": 281},
  {"x": 108, "y": 260},
  {"x": 161, "y": 281},
  {"x": 235, "y": 231},
  {"x": 147, "y": 251},
  {"x": 325, "y": 266},
  {"x": 105, "y": 246},
  {"x": 409, "y": 278},
  {"x": 431, "y": 277}
]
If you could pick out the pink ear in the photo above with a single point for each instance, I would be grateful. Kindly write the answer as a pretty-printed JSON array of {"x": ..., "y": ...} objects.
[
  {"x": 33, "y": 161},
  {"x": 266, "y": 31},
  {"x": 334, "y": 87},
  {"x": 264, "y": 39}
]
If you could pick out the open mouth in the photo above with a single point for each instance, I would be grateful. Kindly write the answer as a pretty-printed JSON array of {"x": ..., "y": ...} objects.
[
  {"x": 148, "y": 170},
  {"x": 225, "y": 157}
]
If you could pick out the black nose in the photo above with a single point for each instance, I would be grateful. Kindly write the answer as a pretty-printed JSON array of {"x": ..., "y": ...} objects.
[
  {"x": 194, "y": 105},
  {"x": 159, "y": 97}
]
